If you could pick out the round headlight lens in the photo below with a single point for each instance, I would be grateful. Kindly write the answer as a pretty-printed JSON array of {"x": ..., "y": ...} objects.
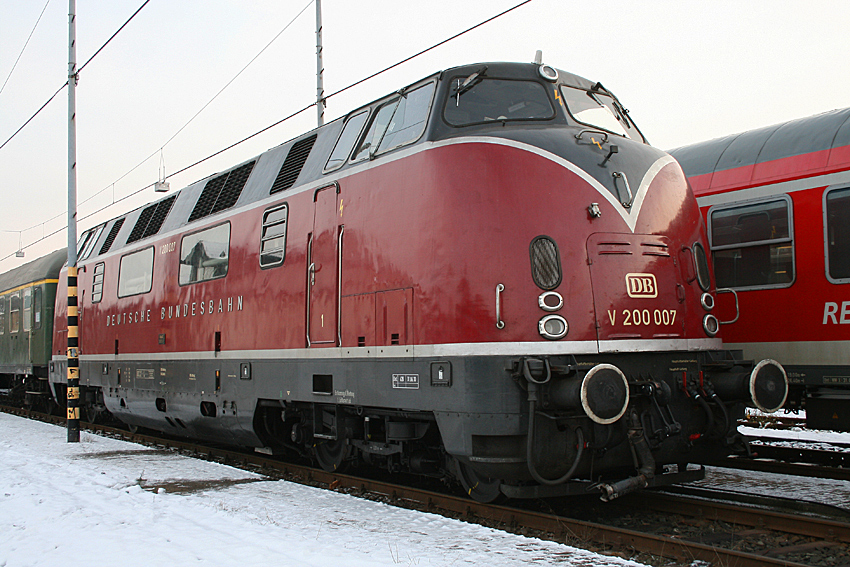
[
  {"x": 553, "y": 327},
  {"x": 710, "y": 324},
  {"x": 707, "y": 301},
  {"x": 550, "y": 301}
]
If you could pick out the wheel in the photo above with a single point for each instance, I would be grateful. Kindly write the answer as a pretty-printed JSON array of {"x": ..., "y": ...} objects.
[
  {"x": 332, "y": 455},
  {"x": 91, "y": 413},
  {"x": 479, "y": 488}
]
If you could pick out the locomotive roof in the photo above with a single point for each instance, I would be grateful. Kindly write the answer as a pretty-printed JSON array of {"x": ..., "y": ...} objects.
[
  {"x": 44, "y": 268},
  {"x": 257, "y": 174},
  {"x": 822, "y": 132}
]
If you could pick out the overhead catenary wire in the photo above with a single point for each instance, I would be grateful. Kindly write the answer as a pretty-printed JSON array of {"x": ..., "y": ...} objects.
[
  {"x": 159, "y": 151},
  {"x": 78, "y": 72},
  {"x": 270, "y": 126},
  {"x": 12, "y": 70}
]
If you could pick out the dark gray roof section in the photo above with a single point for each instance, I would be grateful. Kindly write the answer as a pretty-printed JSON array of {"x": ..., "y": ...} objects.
[
  {"x": 44, "y": 268},
  {"x": 797, "y": 137},
  {"x": 263, "y": 170}
]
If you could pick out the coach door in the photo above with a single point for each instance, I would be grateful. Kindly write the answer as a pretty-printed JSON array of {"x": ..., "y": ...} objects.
[{"x": 323, "y": 269}]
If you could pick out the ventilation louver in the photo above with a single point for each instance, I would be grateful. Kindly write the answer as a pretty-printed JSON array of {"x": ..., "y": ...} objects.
[
  {"x": 110, "y": 238},
  {"x": 151, "y": 219},
  {"x": 222, "y": 192},
  {"x": 292, "y": 165},
  {"x": 545, "y": 263}
]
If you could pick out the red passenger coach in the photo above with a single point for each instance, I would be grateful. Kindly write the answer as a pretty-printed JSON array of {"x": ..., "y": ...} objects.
[
  {"x": 488, "y": 276},
  {"x": 777, "y": 204}
]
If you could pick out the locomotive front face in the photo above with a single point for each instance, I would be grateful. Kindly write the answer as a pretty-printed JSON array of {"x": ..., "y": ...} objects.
[{"x": 601, "y": 288}]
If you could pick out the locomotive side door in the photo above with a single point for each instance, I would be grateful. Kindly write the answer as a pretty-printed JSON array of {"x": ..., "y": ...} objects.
[{"x": 323, "y": 269}]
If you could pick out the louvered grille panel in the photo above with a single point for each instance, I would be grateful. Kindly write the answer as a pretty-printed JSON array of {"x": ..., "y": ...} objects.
[
  {"x": 110, "y": 238},
  {"x": 545, "y": 263},
  {"x": 208, "y": 197},
  {"x": 159, "y": 216},
  {"x": 222, "y": 192},
  {"x": 292, "y": 165},
  {"x": 233, "y": 187},
  {"x": 141, "y": 224}
]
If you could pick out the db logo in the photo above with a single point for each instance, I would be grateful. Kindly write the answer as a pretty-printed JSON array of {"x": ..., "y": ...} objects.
[{"x": 641, "y": 285}]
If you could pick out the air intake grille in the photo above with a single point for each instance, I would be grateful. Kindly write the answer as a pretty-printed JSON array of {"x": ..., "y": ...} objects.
[
  {"x": 110, "y": 238},
  {"x": 545, "y": 263},
  {"x": 292, "y": 165},
  {"x": 151, "y": 219},
  {"x": 222, "y": 192}
]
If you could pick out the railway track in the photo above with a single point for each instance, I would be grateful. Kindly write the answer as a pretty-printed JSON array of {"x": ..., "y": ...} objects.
[{"x": 724, "y": 527}]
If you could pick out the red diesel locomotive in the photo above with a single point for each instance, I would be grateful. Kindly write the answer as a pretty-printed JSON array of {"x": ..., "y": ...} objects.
[
  {"x": 777, "y": 204},
  {"x": 487, "y": 276}
]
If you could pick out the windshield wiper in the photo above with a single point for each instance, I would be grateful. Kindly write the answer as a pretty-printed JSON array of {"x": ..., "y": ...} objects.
[{"x": 469, "y": 82}]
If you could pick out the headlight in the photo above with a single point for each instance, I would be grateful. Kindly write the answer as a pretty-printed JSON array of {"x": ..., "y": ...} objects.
[
  {"x": 707, "y": 301},
  {"x": 710, "y": 324},
  {"x": 550, "y": 301},
  {"x": 553, "y": 327}
]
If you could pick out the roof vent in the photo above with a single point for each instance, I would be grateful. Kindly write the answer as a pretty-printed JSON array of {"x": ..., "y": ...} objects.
[
  {"x": 110, "y": 238},
  {"x": 292, "y": 165},
  {"x": 222, "y": 192},
  {"x": 151, "y": 219}
]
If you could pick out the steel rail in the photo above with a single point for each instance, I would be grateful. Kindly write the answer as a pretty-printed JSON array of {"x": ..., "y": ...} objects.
[{"x": 561, "y": 527}]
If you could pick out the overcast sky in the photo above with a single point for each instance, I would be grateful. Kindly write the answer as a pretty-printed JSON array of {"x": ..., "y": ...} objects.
[{"x": 687, "y": 70}]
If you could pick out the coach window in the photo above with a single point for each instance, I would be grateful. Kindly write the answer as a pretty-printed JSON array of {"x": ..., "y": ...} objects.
[
  {"x": 37, "y": 306},
  {"x": 27, "y": 309},
  {"x": 135, "y": 273},
  {"x": 2, "y": 315},
  {"x": 397, "y": 123},
  {"x": 15, "y": 313},
  {"x": 346, "y": 140},
  {"x": 204, "y": 255},
  {"x": 753, "y": 245},
  {"x": 837, "y": 226},
  {"x": 273, "y": 240},
  {"x": 97, "y": 283}
]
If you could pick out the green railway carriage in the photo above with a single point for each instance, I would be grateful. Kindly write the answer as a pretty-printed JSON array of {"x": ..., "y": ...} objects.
[{"x": 27, "y": 297}]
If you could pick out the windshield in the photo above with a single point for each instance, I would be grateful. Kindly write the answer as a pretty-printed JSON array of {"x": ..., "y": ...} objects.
[
  {"x": 485, "y": 100},
  {"x": 599, "y": 110}
]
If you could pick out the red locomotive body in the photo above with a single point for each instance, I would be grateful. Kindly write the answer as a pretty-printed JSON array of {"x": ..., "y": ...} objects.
[
  {"x": 777, "y": 204},
  {"x": 468, "y": 278}
]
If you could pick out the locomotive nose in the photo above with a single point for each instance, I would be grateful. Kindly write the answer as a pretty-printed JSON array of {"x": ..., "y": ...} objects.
[{"x": 766, "y": 386}]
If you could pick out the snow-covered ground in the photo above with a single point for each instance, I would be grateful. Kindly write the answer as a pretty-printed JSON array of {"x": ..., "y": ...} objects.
[
  {"x": 103, "y": 502},
  {"x": 833, "y": 492}
]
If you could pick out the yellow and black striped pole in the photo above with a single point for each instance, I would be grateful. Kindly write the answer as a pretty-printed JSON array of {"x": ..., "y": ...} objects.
[
  {"x": 73, "y": 398},
  {"x": 73, "y": 359}
]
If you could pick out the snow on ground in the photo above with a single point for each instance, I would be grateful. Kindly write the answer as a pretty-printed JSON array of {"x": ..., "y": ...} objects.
[
  {"x": 106, "y": 502},
  {"x": 833, "y": 492},
  {"x": 825, "y": 491},
  {"x": 798, "y": 434}
]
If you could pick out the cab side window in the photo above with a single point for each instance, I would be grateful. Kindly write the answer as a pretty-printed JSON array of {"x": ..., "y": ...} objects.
[{"x": 398, "y": 122}]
